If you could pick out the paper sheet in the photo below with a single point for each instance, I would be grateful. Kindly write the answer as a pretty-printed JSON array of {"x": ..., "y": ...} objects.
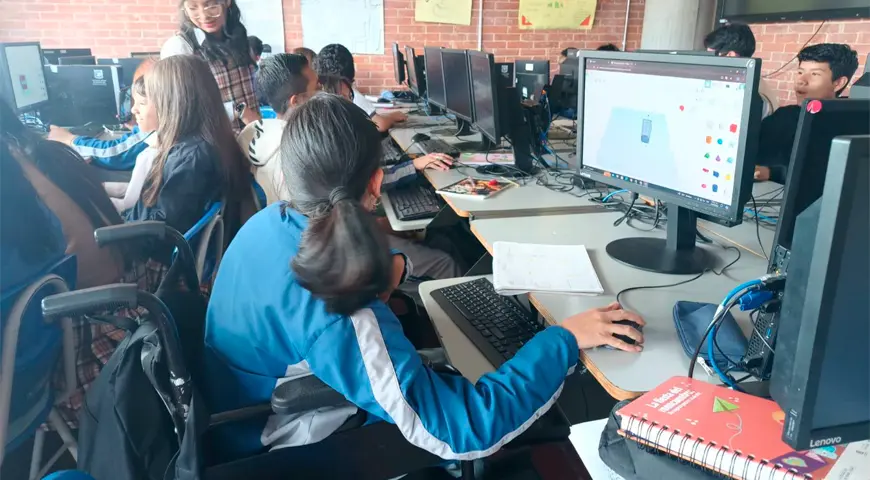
[
  {"x": 265, "y": 20},
  {"x": 584, "y": 438},
  {"x": 356, "y": 24},
  {"x": 854, "y": 463},
  {"x": 522, "y": 267},
  {"x": 457, "y": 12},
  {"x": 554, "y": 14}
]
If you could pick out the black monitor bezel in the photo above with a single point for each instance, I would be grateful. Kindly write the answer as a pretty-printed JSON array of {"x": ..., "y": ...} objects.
[
  {"x": 803, "y": 135},
  {"x": 144, "y": 55},
  {"x": 6, "y": 87},
  {"x": 495, "y": 137},
  {"x": 125, "y": 63},
  {"x": 62, "y": 61},
  {"x": 413, "y": 74},
  {"x": 398, "y": 64},
  {"x": 460, "y": 115},
  {"x": 824, "y": 270},
  {"x": 748, "y": 132},
  {"x": 426, "y": 52},
  {"x": 540, "y": 67}
]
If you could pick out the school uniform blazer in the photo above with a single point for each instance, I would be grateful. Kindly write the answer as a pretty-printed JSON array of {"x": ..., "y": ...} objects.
[{"x": 264, "y": 329}]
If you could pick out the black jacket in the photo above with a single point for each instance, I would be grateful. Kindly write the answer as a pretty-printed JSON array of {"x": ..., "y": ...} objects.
[
  {"x": 776, "y": 140},
  {"x": 191, "y": 183}
]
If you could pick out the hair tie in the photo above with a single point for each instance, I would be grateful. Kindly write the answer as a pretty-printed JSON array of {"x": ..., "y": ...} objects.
[{"x": 337, "y": 195}]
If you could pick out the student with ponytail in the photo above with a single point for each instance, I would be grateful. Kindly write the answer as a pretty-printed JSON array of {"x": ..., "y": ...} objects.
[
  {"x": 213, "y": 31},
  {"x": 300, "y": 292}
]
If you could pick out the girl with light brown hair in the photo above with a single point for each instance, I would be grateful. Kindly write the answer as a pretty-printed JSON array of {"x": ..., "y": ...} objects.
[{"x": 198, "y": 161}]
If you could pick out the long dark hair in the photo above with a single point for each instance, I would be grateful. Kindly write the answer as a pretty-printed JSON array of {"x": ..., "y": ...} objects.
[
  {"x": 62, "y": 165},
  {"x": 188, "y": 103},
  {"x": 234, "y": 44},
  {"x": 25, "y": 222},
  {"x": 329, "y": 152}
]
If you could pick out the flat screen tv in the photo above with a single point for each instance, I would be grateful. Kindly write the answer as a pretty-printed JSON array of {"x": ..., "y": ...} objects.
[{"x": 791, "y": 10}]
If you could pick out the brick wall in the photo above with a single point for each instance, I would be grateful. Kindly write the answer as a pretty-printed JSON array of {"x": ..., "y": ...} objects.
[
  {"x": 118, "y": 27},
  {"x": 778, "y": 43}
]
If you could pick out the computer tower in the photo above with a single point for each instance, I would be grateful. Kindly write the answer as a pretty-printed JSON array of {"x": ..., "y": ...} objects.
[{"x": 505, "y": 74}]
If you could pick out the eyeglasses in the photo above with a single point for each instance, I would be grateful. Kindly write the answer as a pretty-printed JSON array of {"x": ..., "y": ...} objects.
[{"x": 213, "y": 10}]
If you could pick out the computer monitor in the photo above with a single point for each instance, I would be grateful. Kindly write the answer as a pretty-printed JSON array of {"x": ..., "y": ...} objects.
[
  {"x": 398, "y": 65},
  {"x": 128, "y": 68},
  {"x": 84, "y": 60},
  {"x": 821, "y": 373},
  {"x": 457, "y": 84},
  {"x": 22, "y": 81},
  {"x": 505, "y": 74},
  {"x": 672, "y": 127},
  {"x": 705, "y": 53},
  {"x": 484, "y": 89},
  {"x": 531, "y": 77},
  {"x": 497, "y": 113},
  {"x": 82, "y": 94},
  {"x": 144, "y": 55},
  {"x": 435, "y": 77},
  {"x": 562, "y": 93},
  {"x": 416, "y": 76},
  {"x": 52, "y": 55},
  {"x": 819, "y": 123}
]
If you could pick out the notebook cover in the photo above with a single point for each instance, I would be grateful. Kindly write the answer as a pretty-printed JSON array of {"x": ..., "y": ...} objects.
[{"x": 727, "y": 418}]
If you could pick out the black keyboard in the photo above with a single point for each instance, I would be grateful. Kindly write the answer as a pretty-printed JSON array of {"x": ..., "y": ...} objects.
[
  {"x": 415, "y": 202},
  {"x": 392, "y": 153},
  {"x": 496, "y": 325},
  {"x": 436, "y": 145}
]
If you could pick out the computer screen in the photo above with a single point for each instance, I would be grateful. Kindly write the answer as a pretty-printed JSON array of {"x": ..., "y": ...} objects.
[
  {"x": 819, "y": 122},
  {"x": 84, "y": 60},
  {"x": 821, "y": 373},
  {"x": 676, "y": 127},
  {"x": 457, "y": 83},
  {"x": 128, "y": 68},
  {"x": 435, "y": 77},
  {"x": 485, "y": 94},
  {"x": 398, "y": 64},
  {"x": 23, "y": 83},
  {"x": 415, "y": 76},
  {"x": 51, "y": 55},
  {"x": 82, "y": 94}
]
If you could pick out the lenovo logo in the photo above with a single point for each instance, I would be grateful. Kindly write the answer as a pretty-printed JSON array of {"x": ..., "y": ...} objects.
[{"x": 825, "y": 442}]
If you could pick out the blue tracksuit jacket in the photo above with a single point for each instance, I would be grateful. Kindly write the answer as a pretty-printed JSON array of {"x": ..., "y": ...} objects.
[
  {"x": 117, "y": 154},
  {"x": 264, "y": 329}
]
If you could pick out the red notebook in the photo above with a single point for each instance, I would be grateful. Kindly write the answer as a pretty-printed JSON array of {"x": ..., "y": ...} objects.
[{"x": 722, "y": 430}]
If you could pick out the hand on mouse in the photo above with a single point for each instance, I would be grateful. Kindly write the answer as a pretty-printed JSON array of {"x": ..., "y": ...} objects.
[
  {"x": 435, "y": 161},
  {"x": 762, "y": 174},
  {"x": 595, "y": 327}
]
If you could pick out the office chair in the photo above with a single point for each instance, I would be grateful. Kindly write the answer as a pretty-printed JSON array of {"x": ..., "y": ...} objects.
[{"x": 27, "y": 398}]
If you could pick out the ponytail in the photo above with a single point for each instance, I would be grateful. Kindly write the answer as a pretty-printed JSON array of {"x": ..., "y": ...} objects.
[
  {"x": 343, "y": 258},
  {"x": 330, "y": 152}
]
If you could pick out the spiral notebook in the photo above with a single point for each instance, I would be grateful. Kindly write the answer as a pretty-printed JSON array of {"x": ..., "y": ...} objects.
[{"x": 729, "y": 432}]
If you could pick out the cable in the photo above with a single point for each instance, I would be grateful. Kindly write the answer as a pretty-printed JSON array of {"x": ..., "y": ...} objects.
[
  {"x": 780, "y": 69},
  {"x": 716, "y": 319},
  {"x": 709, "y": 270},
  {"x": 627, "y": 212},
  {"x": 605, "y": 199},
  {"x": 758, "y": 229}
]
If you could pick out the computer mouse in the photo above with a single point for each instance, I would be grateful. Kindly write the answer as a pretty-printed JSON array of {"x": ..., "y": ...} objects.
[
  {"x": 625, "y": 339},
  {"x": 420, "y": 137},
  {"x": 382, "y": 100}
]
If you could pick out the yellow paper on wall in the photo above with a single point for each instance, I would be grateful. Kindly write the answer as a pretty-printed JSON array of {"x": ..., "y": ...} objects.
[
  {"x": 457, "y": 12},
  {"x": 554, "y": 14}
]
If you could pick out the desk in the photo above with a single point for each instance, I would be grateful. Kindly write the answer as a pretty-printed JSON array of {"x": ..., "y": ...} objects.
[
  {"x": 624, "y": 375},
  {"x": 527, "y": 200},
  {"x": 748, "y": 238}
]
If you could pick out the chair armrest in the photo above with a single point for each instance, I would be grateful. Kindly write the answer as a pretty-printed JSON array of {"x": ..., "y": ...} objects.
[
  {"x": 130, "y": 231},
  {"x": 305, "y": 394},
  {"x": 90, "y": 300}
]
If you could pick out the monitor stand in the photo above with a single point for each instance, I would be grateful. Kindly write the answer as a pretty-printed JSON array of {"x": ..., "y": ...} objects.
[
  {"x": 677, "y": 254},
  {"x": 463, "y": 129}
]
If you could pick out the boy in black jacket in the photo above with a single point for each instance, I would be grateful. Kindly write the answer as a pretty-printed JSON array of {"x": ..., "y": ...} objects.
[{"x": 824, "y": 71}]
